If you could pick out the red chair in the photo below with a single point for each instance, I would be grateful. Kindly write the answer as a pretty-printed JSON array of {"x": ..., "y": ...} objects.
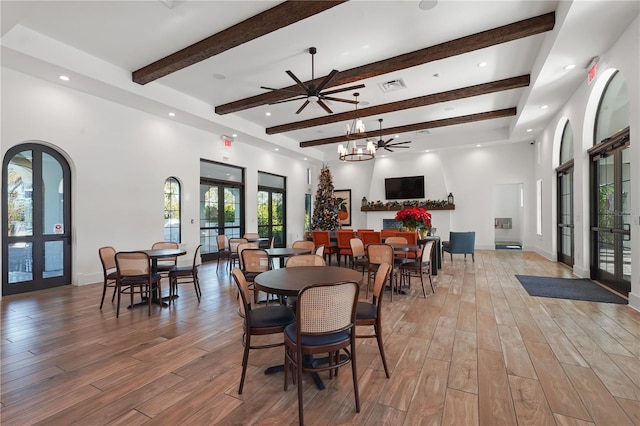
[
  {"x": 323, "y": 238},
  {"x": 344, "y": 245},
  {"x": 371, "y": 238},
  {"x": 388, "y": 233}
]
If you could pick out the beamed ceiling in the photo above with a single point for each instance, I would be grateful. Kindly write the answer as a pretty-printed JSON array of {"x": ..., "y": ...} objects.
[{"x": 462, "y": 73}]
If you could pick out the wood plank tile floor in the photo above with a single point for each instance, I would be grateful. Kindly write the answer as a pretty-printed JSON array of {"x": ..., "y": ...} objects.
[{"x": 480, "y": 351}]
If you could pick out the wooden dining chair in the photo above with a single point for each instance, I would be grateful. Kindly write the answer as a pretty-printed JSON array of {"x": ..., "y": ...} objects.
[
  {"x": 186, "y": 275},
  {"x": 135, "y": 276},
  {"x": 234, "y": 259},
  {"x": 325, "y": 323},
  {"x": 258, "y": 322},
  {"x": 224, "y": 252},
  {"x": 397, "y": 240},
  {"x": 385, "y": 233},
  {"x": 344, "y": 246},
  {"x": 377, "y": 254},
  {"x": 254, "y": 261},
  {"x": 359, "y": 259},
  {"x": 370, "y": 313},
  {"x": 109, "y": 271},
  {"x": 166, "y": 264},
  {"x": 251, "y": 235},
  {"x": 323, "y": 238},
  {"x": 412, "y": 238},
  {"x": 419, "y": 268},
  {"x": 304, "y": 244},
  {"x": 371, "y": 238}
]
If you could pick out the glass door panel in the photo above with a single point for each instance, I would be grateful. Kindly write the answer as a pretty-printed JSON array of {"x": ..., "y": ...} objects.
[
  {"x": 36, "y": 219},
  {"x": 565, "y": 217}
]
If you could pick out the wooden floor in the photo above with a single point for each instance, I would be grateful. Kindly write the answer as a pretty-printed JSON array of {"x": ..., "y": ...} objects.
[{"x": 478, "y": 351}]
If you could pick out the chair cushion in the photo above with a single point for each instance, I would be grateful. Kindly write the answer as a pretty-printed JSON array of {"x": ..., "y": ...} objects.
[
  {"x": 320, "y": 340},
  {"x": 112, "y": 275},
  {"x": 181, "y": 271},
  {"x": 271, "y": 316},
  {"x": 140, "y": 278},
  {"x": 412, "y": 265},
  {"x": 366, "y": 310}
]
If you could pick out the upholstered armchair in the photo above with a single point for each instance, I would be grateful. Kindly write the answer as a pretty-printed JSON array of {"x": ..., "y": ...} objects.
[{"x": 461, "y": 243}]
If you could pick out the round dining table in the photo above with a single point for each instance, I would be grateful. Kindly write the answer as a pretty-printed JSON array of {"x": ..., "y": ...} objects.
[
  {"x": 289, "y": 281},
  {"x": 284, "y": 252}
]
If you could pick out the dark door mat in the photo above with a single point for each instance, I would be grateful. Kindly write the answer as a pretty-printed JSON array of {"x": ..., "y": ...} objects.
[{"x": 568, "y": 288}]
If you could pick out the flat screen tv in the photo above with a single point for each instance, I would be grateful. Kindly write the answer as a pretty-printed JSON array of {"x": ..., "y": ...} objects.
[{"x": 404, "y": 188}]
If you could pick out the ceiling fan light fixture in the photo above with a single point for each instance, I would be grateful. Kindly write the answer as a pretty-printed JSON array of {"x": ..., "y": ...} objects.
[{"x": 355, "y": 130}]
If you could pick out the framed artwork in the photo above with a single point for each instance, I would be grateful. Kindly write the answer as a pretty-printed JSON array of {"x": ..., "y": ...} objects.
[{"x": 343, "y": 202}]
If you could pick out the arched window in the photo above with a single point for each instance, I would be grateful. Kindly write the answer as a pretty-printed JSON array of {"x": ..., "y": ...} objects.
[
  {"x": 613, "y": 111},
  {"x": 172, "y": 210},
  {"x": 566, "y": 145}
]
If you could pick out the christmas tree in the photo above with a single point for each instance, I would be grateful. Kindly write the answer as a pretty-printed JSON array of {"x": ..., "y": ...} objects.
[{"x": 325, "y": 212}]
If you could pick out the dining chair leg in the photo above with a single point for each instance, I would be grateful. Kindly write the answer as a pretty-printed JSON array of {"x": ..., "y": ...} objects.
[
  {"x": 378, "y": 330},
  {"x": 300, "y": 388},
  {"x": 245, "y": 361}
]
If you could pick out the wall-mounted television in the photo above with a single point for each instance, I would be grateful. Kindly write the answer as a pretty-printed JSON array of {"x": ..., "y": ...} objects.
[{"x": 404, "y": 188}]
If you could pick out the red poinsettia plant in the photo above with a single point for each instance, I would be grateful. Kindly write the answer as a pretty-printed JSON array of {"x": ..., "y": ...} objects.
[{"x": 414, "y": 217}]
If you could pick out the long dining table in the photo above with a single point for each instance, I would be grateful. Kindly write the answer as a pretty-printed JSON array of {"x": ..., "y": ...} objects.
[{"x": 289, "y": 281}]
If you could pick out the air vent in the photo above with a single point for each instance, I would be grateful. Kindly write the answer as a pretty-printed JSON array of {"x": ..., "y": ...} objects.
[{"x": 392, "y": 86}]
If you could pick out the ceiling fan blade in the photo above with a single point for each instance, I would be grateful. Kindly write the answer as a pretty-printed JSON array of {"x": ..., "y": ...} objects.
[
  {"x": 299, "y": 97},
  {"x": 326, "y": 80},
  {"x": 324, "y": 106},
  {"x": 344, "y": 89},
  {"x": 400, "y": 143},
  {"x": 302, "y": 107},
  {"x": 329, "y": 98},
  {"x": 297, "y": 80},
  {"x": 399, "y": 146},
  {"x": 388, "y": 141},
  {"x": 283, "y": 90},
  {"x": 390, "y": 150}
]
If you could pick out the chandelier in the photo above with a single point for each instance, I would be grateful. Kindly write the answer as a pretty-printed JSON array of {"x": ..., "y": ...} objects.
[{"x": 355, "y": 131}]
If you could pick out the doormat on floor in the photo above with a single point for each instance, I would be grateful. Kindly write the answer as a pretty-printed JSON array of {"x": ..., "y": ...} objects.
[{"x": 568, "y": 288}]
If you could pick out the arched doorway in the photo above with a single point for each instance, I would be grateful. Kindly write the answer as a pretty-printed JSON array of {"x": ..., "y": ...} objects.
[
  {"x": 610, "y": 189},
  {"x": 564, "y": 176},
  {"x": 36, "y": 219}
]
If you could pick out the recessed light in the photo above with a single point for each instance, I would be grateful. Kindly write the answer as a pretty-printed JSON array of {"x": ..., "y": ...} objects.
[
  {"x": 277, "y": 149},
  {"x": 305, "y": 158},
  {"x": 544, "y": 106},
  {"x": 172, "y": 114},
  {"x": 482, "y": 64},
  {"x": 64, "y": 78},
  {"x": 427, "y": 150},
  {"x": 235, "y": 135},
  {"x": 529, "y": 130},
  {"x": 268, "y": 114},
  {"x": 478, "y": 146},
  {"x": 569, "y": 67}
]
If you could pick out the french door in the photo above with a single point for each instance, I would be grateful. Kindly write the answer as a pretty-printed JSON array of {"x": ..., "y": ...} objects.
[
  {"x": 565, "y": 215},
  {"x": 271, "y": 209},
  {"x": 36, "y": 219},
  {"x": 221, "y": 212},
  {"x": 611, "y": 221}
]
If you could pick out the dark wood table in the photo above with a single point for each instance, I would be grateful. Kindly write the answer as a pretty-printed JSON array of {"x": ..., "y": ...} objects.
[
  {"x": 289, "y": 281},
  {"x": 284, "y": 252},
  {"x": 154, "y": 255}
]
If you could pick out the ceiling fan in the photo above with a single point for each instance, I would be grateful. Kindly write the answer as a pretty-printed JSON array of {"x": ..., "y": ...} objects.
[
  {"x": 313, "y": 93},
  {"x": 386, "y": 145}
]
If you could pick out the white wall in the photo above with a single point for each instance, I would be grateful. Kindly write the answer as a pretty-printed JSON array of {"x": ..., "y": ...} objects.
[
  {"x": 580, "y": 110},
  {"x": 120, "y": 158},
  {"x": 470, "y": 174}
]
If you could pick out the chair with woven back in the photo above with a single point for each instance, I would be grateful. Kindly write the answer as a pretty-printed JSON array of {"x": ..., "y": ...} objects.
[
  {"x": 166, "y": 264},
  {"x": 302, "y": 260},
  {"x": 412, "y": 238},
  {"x": 370, "y": 313},
  {"x": 254, "y": 261},
  {"x": 359, "y": 259},
  {"x": 323, "y": 238},
  {"x": 258, "y": 322},
  {"x": 419, "y": 267},
  {"x": 304, "y": 244},
  {"x": 135, "y": 276},
  {"x": 377, "y": 254},
  {"x": 234, "y": 258},
  {"x": 186, "y": 275},
  {"x": 109, "y": 271},
  {"x": 325, "y": 323},
  {"x": 224, "y": 252},
  {"x": 344, "y": 247}
]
